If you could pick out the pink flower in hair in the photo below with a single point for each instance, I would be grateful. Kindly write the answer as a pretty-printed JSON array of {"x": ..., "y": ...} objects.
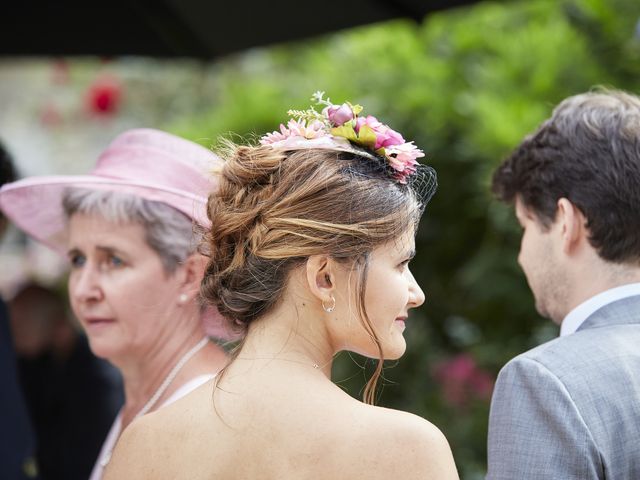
[
  {"x": 388, "y": 138},
  {"x": 402, "y": 159},
  {"x": 338, "y": 127},
  {"x": 339, "y": 114},
  {"x": 385, "y": 136},
  {"x": 315, "y": 129},
  {"x": 273, "y": 137}
]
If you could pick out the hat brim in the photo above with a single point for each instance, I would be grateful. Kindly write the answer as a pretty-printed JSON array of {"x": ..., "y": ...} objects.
[{"x": 35, "y": 204}]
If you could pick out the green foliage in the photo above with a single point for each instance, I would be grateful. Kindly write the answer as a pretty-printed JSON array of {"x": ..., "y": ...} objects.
[{"x": 466, "y": 85}]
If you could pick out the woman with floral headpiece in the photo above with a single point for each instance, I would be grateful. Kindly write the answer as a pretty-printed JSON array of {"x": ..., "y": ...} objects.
[{"x": 311, "y": 238}]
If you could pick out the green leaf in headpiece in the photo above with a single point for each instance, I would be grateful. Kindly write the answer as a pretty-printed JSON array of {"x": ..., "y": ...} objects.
[
  {"x": 345, "y": 131},
  {"x": 366, "y": 137},
  {"x": 355, "y": 108}
]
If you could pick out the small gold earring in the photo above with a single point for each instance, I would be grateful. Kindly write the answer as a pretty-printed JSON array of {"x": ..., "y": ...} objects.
[{"x": 331, "y": 307}]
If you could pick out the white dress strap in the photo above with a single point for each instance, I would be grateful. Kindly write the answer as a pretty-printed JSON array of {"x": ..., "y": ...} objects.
[{"x": 112, "y": 438}]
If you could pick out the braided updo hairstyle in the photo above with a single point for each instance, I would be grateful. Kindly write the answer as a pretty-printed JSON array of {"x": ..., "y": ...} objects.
[{"x": 274, "y": 208}]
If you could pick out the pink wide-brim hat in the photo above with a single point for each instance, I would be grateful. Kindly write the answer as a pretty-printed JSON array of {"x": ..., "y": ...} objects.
[{"x": 148, "y": 163}]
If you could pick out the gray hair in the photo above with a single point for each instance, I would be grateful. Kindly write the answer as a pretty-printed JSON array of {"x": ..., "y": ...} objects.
[{"x": 170, "y": 233}]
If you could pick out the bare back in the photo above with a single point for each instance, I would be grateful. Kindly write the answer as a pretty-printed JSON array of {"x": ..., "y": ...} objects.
[{"x": 308, "y": 429}]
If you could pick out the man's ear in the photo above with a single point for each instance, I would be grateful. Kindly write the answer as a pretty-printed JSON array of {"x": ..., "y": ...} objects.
[
  {"x": 321, "y": 276},
  {"x": 192, "y": 271},
  {"x": 573, "y": 225}
]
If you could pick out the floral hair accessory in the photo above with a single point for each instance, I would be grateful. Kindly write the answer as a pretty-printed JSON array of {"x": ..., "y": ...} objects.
[{"x": 342, "y": 127}]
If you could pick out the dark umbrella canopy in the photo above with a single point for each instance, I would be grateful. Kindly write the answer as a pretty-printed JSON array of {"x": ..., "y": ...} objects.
[{"x": 185, "y": 28}]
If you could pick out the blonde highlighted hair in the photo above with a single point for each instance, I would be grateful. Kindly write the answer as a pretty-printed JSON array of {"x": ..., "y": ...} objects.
[{"x": 274, "y": 208}]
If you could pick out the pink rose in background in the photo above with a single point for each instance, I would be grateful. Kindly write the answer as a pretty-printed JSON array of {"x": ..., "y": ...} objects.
[
  {"x": 463, "y": 381},
  {"x": 50, "y": 115},
  {"x": 339, "y": 114},
  {"x": 105, "y": 95}
]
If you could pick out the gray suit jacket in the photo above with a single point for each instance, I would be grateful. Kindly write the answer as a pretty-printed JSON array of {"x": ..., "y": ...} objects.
[{"x": 570, "y": 408}]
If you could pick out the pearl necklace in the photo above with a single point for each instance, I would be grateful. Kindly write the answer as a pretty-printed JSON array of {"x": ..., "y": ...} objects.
[{"x": 104, "y": 461}]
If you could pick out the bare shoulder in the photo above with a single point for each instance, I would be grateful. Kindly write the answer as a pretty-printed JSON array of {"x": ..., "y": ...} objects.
[
  {"x": 147, "y": 449},
  {"x": 136, "y": 453},
  {"x": 416, "y": 447}
]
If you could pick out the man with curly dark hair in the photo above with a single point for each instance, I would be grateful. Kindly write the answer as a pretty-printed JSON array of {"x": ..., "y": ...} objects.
[{"x": 569, "y": 409}]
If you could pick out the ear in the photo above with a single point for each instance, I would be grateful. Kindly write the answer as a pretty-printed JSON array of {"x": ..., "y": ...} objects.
[
  {"x": 321, "y": 276},
  {"x": 572, "y": 225},
  {"x": 191, "y": 273}
]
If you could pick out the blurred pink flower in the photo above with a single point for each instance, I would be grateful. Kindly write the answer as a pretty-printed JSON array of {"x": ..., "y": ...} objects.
[
  {"x": 50, "y": 115},
  {"x": 104, "y": 95},
  {"x": 462, "y": 381},
  {"x": 60, "y": 72}
]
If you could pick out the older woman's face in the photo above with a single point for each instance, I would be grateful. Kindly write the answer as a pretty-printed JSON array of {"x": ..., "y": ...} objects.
[{"x": 119, "y": 290}]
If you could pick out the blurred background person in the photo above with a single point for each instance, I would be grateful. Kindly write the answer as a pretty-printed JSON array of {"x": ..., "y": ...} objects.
[
  {"x": 72, "y": 396},
  {"x": 129, "y": 232},
  {"x": 17, "y": 444}
]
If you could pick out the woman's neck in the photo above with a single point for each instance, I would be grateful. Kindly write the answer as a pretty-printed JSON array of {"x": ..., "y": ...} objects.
[
  {"x": 145, "y": 374},
  {"x": 290, "y": 336}
]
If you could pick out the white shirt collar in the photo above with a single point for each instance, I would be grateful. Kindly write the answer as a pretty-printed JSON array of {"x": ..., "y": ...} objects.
[{"x": 578, "y": 315}]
